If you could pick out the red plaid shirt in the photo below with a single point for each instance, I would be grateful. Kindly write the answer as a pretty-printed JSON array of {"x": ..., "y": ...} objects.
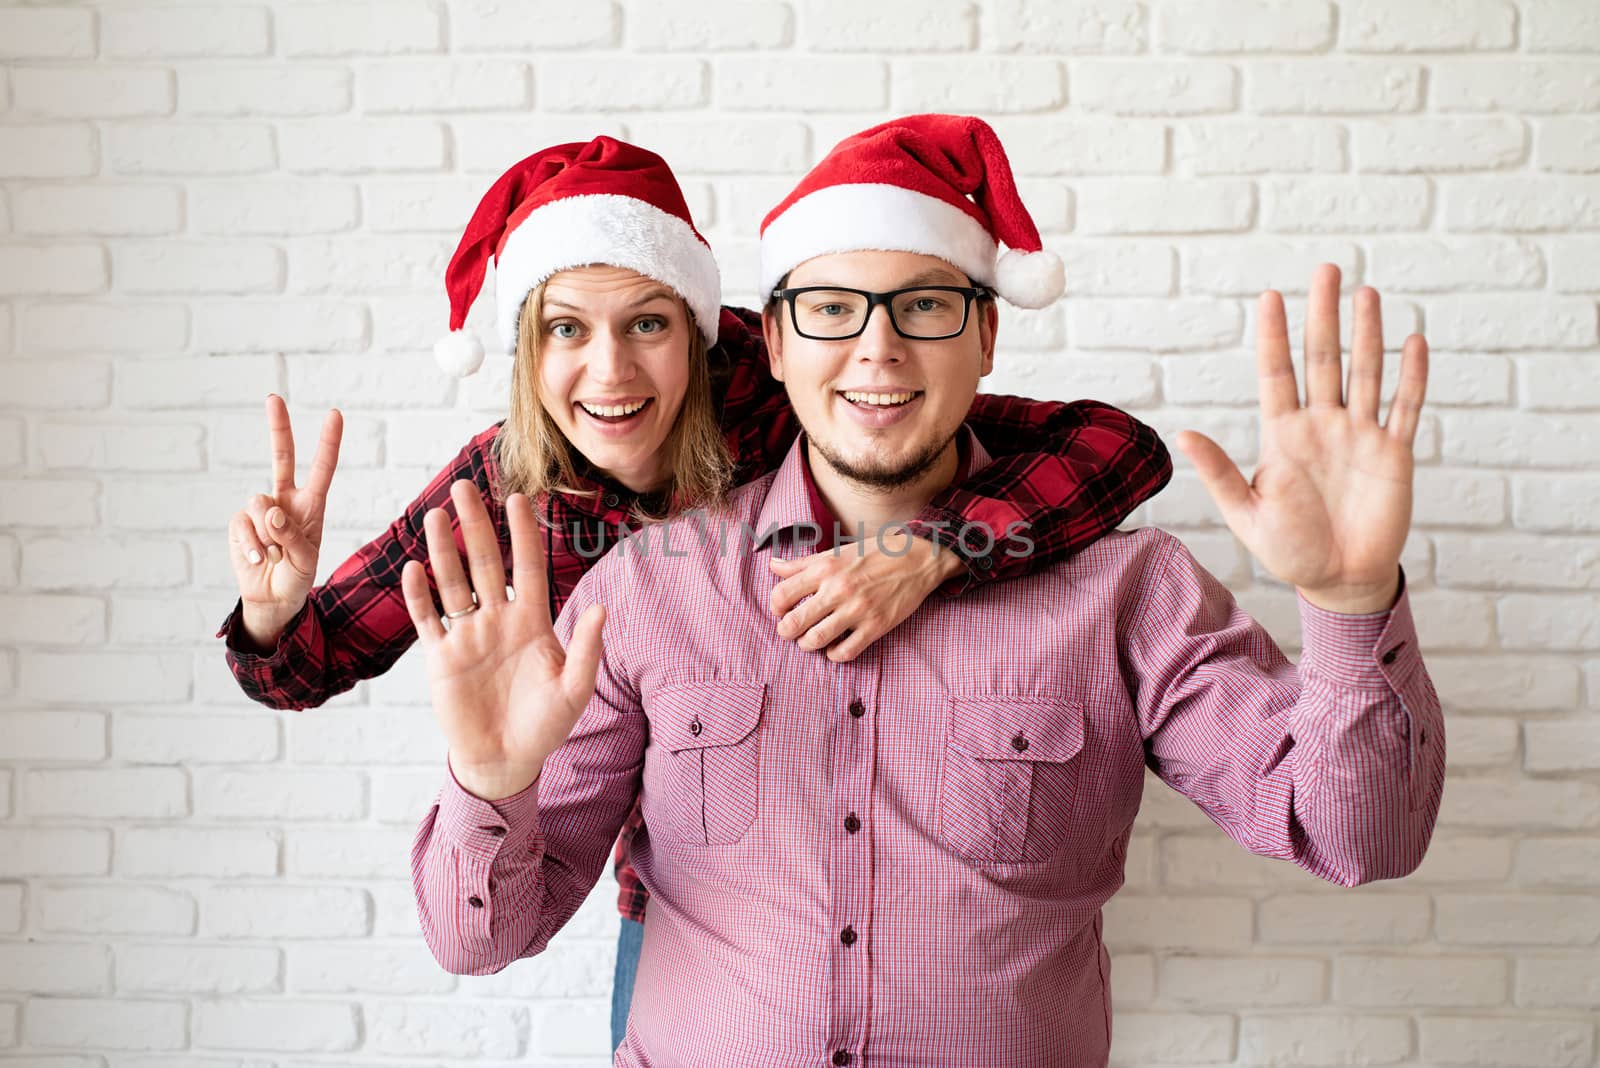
[
  {"x": 902, "y": 861},
  {"x": 1070, "y": 471}
]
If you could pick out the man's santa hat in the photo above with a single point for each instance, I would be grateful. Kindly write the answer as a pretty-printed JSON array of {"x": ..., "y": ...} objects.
[
  {"x": 604, "y": 202},
  {"x": 935, "y": 184}
]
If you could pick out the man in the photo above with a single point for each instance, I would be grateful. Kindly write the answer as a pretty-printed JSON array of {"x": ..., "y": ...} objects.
[{"x": 901, "y": 860}]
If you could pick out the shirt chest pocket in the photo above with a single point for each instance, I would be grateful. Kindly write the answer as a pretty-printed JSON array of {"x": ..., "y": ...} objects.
[
  {"x": 702, "y": 770},
  {"x": 1011, "y": 771}
]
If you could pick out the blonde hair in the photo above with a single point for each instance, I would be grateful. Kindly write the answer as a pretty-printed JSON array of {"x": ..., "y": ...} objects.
[{"x": 535, "y": 457}]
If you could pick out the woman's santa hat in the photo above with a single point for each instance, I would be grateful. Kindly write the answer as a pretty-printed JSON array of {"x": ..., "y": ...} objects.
[
  {"x": 935, "y": 184},
  {"x": 604, "y": 202}
]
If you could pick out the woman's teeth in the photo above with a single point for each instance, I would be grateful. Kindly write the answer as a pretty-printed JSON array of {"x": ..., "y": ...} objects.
[
  {"x": 611, "y": 411},
  {"x": 882, "y": 399}
]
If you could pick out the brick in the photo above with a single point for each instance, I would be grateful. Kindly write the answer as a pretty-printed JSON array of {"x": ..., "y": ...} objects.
[
  {"x": 1544, "y": 440},
  {"x": 1355, "y": 919},
  {"x": 53, "y": 968},
  {"x": 154, "y": 739},
  {"x": 1213, "y": 26},
  {"x": 1427, "y": 264},
  {"x": 52, "y": 619},
  {"x": 285, "y": 913},
  {"x": 1103, "y": 26},
  {"x": 236, "y": 91},
  {"x": 1140, "y": 87},
  {"x": 60, "y": 384},
  {"x": 1312, "y": 204},
  {"x": 1324, "y": 1040},
  {"x": 364, "y": 853},
  {"x": 403, "y": 796},
  {"x": 93, "y": 1022},
  {"x": 623, "y": 83},
  {"x": 150, "y": 793},
  {"x": 431, "y": 86},
  {"x": 115, "y": 210},
  {"x": 891, "y": 26},
  {"x": 279, "y": 794},
  {"x": 1559, "y": 747},
  {"x": 1558, "y": 26},
  {"x": 1575, "y": 263},
  {"x": 1153, "y": 206},
  {"x": 277, "y": 208},
  {"x": 99, "y": 92},
  {"x": 115, "y": 910},
  {"x": 332, "y": 146},
  {"x": 1558, "y": 503},
  {"x": 1459, "y": 859},
  {"x": 1524, "y": 805},
  {"x": 987, "y": 84},
  {"x": 383, "y": 381},
  {"x": 1154, "y": 325},
  {"x": 1429, "y": 145},
  {"x": 43, "y": 151},
  {"x": 449, "y": 1030},
  {"x": 1538, "y": 86},
  {"x": 436, "y": 205},
  {"x": 1203, "y": 923},
  {"x": 1467, "y": 1040},
  {"x": 1333, "y": 87},
  {"x": 45, "y": 33},
  {"x": 1118, "y": 268},
  {"x": 1565, "y": 862},
  {"x": 365, "y": 737},
  {"x": 13, "y": 452},
  {"x": 10, "y": 909},
  {"x": 495, "y": 26},
  {"x": 359, "y": 29},
  {"x": 197, "y": 381},
  {"x": 1399, "y": 982},
  {"x": 726, "y": 145},
  {"x": 59, "y": 270},
  {"x": 270, "y": 326},
  {"x": 1228, "y": 982},
  {"x": 1567, "y": 144},
  {"x": 1459, "y": 498},
  {"x": 1054, "y": 146},
  {"x": 1257, "y": 146},
  {"x": 489, "y": 144},
  {"x": 1247, "y": 267},
  {"x": 810, "y": 83},
  {"x": 714, "y": 26},
  {"x": 242, "y": 444},
  {"x": 105, "y": 328},
  {"x": 152, "y": 33},
  {"x": 191, "y": 148},
  {"x": 1529, "y": 203},
  {"x": 280, "y": 1026},
  {"x": 106, "y": 678},
  {"x": 1429, "y": 26},
  {"x": 222, "y": 854},
  {"x": 1559, "y": 981},
  {"x": 194, "y": 969},
  {"x": 364, "y": 968},
  {"x": 29, "y": 851},
  {"x": 399, "y": 265},
  {"x": 196, "y": 268},
  {"x": 1482, "y": 743},
  {"x": 1497, "y": 683},
  {"x": 562, "y": 1032},
  {"x": 41, "y": 503},
  {"x": 53, "y": 563}
]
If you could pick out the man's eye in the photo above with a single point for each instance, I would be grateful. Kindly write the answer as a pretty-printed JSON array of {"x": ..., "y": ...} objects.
[
  {"x": 830, "y": 309},
  {"x": 926, "y": 304}
]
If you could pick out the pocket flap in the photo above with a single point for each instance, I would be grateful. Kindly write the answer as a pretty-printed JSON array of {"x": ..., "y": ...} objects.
[
  {"x": 1017, "y": 727},
  {"x": 697, "y": 715}
]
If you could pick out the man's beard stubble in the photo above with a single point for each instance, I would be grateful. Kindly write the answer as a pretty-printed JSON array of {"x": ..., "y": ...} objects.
[{"x": 882, "y": 478}]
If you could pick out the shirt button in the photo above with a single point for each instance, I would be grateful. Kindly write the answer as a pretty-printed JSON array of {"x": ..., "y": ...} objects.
[
  {"x": 841, "y": 1057},
  {"x": 475, "y": 901},
  {"x": 857, "y": 709},
  {"x": 985, "y": 563},
  {"x": 1423, "y": 740},
  {"x": 612, "y": 500},
  {"x": 694, "y": 727},
  {"x": 1020, "y": 744},
  {"x": 1388, "y": 658},
  {"x": 848, "y": 936},
  {"x": 852, "y": 824}
]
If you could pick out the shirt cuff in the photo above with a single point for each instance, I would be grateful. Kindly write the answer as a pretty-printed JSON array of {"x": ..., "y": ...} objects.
[
  {"x": 482, "y": 828},
  {"x": 943, "y": 528},
  {"x": 1370, "y": 650},
  {"x": 232, "y": 634}
]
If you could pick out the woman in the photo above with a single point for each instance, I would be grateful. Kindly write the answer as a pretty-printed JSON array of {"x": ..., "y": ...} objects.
[{"x": 635, "y": 395}]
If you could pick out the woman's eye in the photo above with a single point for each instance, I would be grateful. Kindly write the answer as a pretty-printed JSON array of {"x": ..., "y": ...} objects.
[
  {"x": 565, "y": 331},
  {"x": 650, "y": 326}
]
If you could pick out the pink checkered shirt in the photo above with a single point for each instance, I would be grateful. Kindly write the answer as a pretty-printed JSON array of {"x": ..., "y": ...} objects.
[{"x": 901, "y": 861}]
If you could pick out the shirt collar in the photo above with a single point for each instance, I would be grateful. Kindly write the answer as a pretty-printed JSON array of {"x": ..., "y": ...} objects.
[{"x": 793, "y": 500}]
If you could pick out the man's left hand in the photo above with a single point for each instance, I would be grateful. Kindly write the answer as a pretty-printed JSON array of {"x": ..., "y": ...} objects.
[{"x": 1329, "y": 506}]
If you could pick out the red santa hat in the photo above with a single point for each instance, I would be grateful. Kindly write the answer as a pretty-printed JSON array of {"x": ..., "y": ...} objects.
[
  {"x": 604, "y": 202},
  {"x": 936, "y": 184}
]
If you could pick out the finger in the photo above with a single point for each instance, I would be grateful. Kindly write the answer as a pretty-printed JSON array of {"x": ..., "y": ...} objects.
[
  {"x": 1366, "y": 356},
  {"x": 297, "y": 548},
  {"x": 1220, "y": 476},
  {"x": 419, "y": 602},
  {"x": 257, "y": 508},
  {"x": 281, "y": 437},
  {"x": 1274, "y": 365},
  {"x": 1324, "y": 377},
  {"x": 327, "y": 455},
  {"x": 801, "y": 584},
  {"x": 445, "y": 559},
  {"x": 583, "y": 656},
  {"x": 823, "y": 633},
  {"x": 1405, "y": 408},
  {"x": 850, "y": 646},
  {"x": 527, "y": 557},
  {"x": 780, "y": 566},
  {"x": 242, "y": 538},
  {"x": 482, "y": 543},
  {"x": 804, "y": 616}
]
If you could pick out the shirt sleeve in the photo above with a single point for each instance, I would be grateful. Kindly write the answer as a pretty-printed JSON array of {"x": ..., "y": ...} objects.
[
  {"x": 495, "y": 881},
  {"x": 355, "y": 625},
  {"x": 1337, "y": 765},
  {"x": 1062, "y": 476}
]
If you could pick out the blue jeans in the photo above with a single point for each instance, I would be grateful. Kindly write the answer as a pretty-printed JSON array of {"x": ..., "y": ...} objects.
[{"x": 629, "y": 939}]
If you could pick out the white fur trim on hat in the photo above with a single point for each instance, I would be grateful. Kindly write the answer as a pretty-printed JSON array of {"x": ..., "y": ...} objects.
[
  {"x": 877, "y": 216},
  {"x": 1030, "y": 279},
  {"x": 611, "y": 229},
  {"x": 459, "y": 353}
]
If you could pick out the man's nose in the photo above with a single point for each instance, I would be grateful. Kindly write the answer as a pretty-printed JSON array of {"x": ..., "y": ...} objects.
[{"x": 879, "y": 340}]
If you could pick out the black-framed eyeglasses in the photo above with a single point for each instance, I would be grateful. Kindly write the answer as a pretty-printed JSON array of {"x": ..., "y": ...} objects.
[{"x": 920, "y": 313}]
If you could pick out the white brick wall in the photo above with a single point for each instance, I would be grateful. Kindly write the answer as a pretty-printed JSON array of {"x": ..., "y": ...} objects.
[{"x": 205, "y": 202}]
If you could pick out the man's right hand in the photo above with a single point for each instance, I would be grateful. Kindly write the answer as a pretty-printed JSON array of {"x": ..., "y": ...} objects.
[
  {"x": 275, "y": 538},
  {"x": 506, "y": 693}
]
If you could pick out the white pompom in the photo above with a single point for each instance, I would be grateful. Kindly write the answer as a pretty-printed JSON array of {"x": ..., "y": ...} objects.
[
  {"x": 459, "y": 352},
  {"x": 1030, "y": 279}
]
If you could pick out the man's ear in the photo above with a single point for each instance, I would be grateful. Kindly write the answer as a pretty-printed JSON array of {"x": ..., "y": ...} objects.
[
  {"x": 772, "y": 331},
  {"x": 988, "y": 327}
]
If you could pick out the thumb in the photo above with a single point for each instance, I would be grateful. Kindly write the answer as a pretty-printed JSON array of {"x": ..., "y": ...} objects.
[
  {"x": 583, "y": 656},
  {"x": 300, "y": 550},
  {"x": 1220, "y": 476}
]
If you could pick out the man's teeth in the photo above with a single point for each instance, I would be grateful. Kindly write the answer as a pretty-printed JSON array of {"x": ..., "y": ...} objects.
[
  {"x": 877, "y": 398},
  {"x": 612, "y": 409}
]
